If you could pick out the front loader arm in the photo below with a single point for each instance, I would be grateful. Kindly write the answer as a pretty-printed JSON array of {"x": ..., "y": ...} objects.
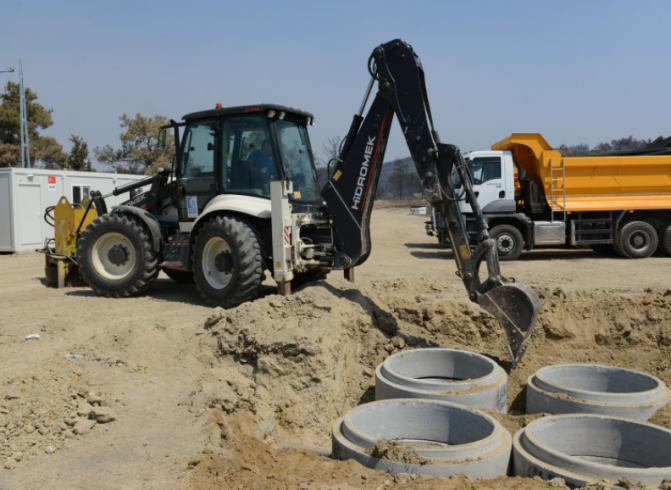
[{"x": 350, "y": 191}]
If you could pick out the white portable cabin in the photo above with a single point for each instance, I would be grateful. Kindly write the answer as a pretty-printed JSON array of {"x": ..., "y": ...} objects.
[{"x": 25, "y": 194}]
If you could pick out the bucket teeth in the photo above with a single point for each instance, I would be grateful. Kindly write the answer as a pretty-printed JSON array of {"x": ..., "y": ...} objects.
[{"x": 516, "y": 306}]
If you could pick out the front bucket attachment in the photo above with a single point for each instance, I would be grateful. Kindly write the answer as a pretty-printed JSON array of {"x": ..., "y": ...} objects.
[{"x": 516, "y": 306}]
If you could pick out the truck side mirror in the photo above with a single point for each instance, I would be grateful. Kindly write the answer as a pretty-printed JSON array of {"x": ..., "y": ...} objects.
[{"x": 161, "y": 139}]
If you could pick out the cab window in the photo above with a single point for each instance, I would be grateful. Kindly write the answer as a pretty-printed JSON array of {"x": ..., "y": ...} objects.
[
  {"x": 484, "y": 169},
  {"x": 248, "y": 160}
]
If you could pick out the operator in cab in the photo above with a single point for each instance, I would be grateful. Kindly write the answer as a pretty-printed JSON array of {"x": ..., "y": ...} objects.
[{"x": 259, "y": 162}]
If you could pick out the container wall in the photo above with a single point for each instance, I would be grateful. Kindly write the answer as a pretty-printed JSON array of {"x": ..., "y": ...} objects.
[{"x": 5, "y": 213}]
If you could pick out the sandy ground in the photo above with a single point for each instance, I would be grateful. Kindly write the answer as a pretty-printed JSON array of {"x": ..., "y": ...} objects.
[{"x": 151, "y": 359}]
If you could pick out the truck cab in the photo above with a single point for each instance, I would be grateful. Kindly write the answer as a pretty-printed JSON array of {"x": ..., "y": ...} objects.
[{"x": 493, "y": 177}]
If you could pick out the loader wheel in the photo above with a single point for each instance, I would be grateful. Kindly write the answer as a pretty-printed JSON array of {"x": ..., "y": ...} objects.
[
  {"x": 666, "y": 239},
  {"x": 228, "y": 261},
  {"x": 182, "y": 277},
  {"x": 509, "y": 241},
  {"x": 116, "y": 258},
  {"x": 637, "y": 240}
]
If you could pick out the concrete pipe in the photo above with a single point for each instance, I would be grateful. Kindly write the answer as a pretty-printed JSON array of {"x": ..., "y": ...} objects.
[
  {"x": 443, "y": 374},
  {"x": 437, "y": 438},
  {"x": 585, "y": 448},
  {"x": 589, "y": 388}
]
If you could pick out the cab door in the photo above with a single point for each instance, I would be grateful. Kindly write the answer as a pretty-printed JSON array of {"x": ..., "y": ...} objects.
[
  {"x": 197, "y": 174},
  {"x": 488, "y": 183}
]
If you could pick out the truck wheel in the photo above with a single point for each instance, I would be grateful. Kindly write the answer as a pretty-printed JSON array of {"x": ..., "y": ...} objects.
[
  {"x": 666, "y": 239},
  {"x": 115, "y": 256},
  {"x": 509, "y": 241},
  {"x": 228, "y": 261},
  {"x": 637, "y": 240},
  {"x": 182, "y": 277}
]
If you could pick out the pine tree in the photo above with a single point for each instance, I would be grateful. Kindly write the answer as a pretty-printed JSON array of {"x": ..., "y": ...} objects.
[
  {"x": 44, "y": 150},
  {"x": 78, "y": 159}
]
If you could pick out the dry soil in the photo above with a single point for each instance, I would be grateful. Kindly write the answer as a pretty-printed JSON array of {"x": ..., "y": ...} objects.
[{"x": 172, "y": 394}]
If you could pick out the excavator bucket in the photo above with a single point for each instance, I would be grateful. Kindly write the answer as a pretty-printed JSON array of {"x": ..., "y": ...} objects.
[{"x": 516, "y": 306}]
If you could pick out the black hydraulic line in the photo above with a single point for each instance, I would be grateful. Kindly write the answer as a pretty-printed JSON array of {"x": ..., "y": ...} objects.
[{"x": 84, "y": 217}]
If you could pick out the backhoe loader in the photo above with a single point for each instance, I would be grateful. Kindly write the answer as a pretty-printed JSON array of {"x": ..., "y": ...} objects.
[{"x": 244, "y": 197}]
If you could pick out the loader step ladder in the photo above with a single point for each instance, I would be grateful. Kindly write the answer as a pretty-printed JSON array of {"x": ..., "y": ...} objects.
[{"x": 557, "y": 190}]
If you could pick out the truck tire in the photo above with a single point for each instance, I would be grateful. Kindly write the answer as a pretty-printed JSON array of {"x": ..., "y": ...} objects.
[
  {"x": 637, "y": 240},
  {"x": 228, "y": 261},
  {"x": 666, "y": 239},
  {"x": 116, "y": 257},
  {"x": 509, "y": 241},
  {"x": 182, "y": 277}
]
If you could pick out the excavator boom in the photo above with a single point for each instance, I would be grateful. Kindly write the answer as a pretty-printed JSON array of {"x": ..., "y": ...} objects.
[{"x": 351, "y": 189}]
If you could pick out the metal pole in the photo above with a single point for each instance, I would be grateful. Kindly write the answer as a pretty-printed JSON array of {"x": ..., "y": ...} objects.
[{"x": 25, "y": 142}]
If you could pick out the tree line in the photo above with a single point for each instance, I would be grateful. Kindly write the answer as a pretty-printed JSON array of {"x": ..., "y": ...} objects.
[{"x": 623, "y": 144}]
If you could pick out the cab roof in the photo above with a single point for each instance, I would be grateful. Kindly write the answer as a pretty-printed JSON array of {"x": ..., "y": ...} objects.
[{"x": 246, "y": 109}]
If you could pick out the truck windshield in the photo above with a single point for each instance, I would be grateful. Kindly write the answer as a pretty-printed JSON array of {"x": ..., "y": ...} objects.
[{"x": 297, "y": 160}]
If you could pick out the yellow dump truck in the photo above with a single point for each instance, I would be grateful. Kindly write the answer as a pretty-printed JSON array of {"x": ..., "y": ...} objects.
[{"x": 533, "y": 196}]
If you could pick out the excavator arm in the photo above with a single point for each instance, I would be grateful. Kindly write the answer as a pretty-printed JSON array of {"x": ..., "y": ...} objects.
[{"x": 350, "y": 191}]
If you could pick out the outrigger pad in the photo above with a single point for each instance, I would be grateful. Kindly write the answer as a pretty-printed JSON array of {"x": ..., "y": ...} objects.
[{"x": 516, "y": 306}]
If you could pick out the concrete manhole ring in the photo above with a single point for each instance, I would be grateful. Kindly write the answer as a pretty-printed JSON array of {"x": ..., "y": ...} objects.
[
  {"x": 449, "y": 438},
  {"x": 586, "y": 448},
  {"x": 443, "y": 374},
  {"x": 590, "y": 388}
]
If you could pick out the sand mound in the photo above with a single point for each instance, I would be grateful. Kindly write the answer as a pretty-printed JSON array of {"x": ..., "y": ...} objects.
[{"x": 300, "y": 362}]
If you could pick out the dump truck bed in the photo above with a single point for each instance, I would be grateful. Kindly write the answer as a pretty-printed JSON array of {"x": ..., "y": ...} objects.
[{"x": 592, "y": 183}]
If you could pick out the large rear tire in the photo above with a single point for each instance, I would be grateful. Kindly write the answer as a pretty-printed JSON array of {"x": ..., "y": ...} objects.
[
  {"x": 509, "y": 241},
  {"x": 228, "y": 261},
  {"x": 115, "y": 256},
  {"x": 637, "y": 240}
]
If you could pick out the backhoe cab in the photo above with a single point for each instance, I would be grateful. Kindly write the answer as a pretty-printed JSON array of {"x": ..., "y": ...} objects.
[{"x": 244, "y": 198}]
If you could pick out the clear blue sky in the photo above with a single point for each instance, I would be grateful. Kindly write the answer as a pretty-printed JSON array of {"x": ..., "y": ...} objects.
[{"x": 575, "y": 71}]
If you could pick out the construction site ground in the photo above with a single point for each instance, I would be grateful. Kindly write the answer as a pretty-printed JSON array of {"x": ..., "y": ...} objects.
[{"x": 190, "y": 397}]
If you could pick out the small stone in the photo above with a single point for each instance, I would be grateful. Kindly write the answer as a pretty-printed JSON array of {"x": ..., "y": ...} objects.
[
  {"x": 389, "y": 347},
  {"x": 83, "y": 427},
  {"x": 84, "y": 409},
  {"x": 557, "y": 482},
  {"x": 411, "y": 340},
  {"x": 401, "y": 478},
  {"x": 29, "y": 429},
  {"x": 103, "y": 415},
  {"x": 323, "y": 304},
  {"x": 276, "y": 304},
  {"x": 17, "y": 456},
  {"x": 10, "y": 464},
  {"x": 368, "y": 372},
  {"x": 461, "y": 476},
  {"x": 94, "y": 399},
  {"x": 43, "y": 431},
  {"x": 49, "y": 450},
  {"x": 398, "y": 342},
  {"x": 364, "y": 476}
]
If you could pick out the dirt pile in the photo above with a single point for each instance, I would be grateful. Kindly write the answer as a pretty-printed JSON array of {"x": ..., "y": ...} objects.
[
  {"x": 31, "y": 423},
  {"x": 298, "y": 363}
]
